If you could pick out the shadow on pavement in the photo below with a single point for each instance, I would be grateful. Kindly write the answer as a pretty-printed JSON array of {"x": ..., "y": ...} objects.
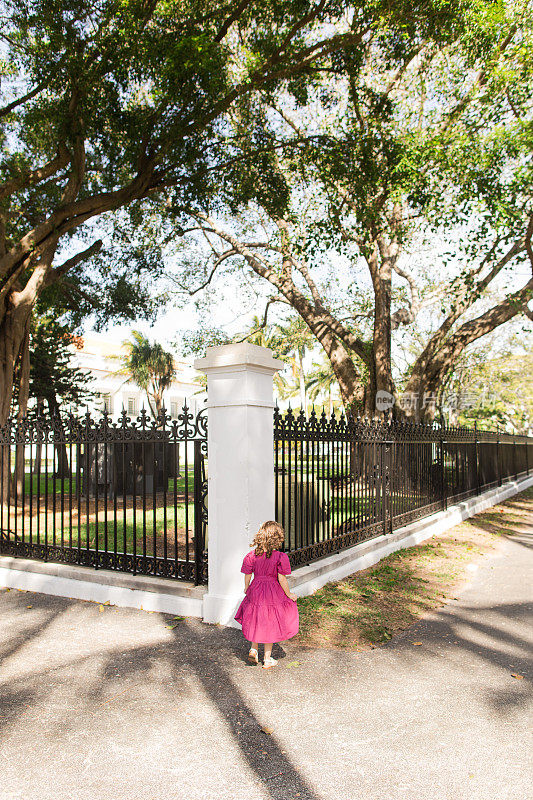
[
  {"x": 196, "y": 650},
  {"x": 445, "y": 633},
  {"x": 203, "y": 650}
]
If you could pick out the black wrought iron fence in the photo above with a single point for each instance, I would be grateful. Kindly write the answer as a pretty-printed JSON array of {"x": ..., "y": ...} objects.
[
  {"x": 128, "y": 496},
  {"x": 339, "y": 481}
]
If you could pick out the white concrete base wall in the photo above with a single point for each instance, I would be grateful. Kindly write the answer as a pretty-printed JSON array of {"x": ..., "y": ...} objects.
[
  {"x": 102, "y": 586},
  {"x": 171, "y": 597},
  {"x": 306, "y": 580},
  {"x": 221, "y": 610}
]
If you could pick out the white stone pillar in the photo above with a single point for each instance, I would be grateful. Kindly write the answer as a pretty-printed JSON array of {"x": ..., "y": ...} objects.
[{"x": 240, "y": 465}]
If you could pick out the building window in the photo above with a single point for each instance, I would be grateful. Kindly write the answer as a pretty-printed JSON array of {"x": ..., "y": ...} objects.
[
  {"x": 107, "y": 404},
  {"x": 174, "y": 409},
  {"x": 132, "y": 405}
]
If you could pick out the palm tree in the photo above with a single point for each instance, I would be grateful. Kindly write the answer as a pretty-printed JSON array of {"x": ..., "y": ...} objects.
[
  {"x": 265, "y": 335},
  {"x": 261, "y": 334},
  {"x": 290, "y": 343},
  {"x": 150, "y": 367},
  {"x": 294, "y": 340},
  {"x": 321, "y": 381}
]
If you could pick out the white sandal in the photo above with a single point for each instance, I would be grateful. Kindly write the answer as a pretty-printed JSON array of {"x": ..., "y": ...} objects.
[
  {"x": 253, "y": 656},
  {"x": 269, "y": 662}
]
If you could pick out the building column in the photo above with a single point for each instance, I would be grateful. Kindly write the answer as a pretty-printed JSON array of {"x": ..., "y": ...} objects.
[{"x": 240, "y": 465}]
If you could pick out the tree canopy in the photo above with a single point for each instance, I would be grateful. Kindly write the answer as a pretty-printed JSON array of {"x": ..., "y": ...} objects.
[
  {"x": 411, "y": 141},
  {"x": 279, "y": 132},
  {"x": 108, "y": 104}
]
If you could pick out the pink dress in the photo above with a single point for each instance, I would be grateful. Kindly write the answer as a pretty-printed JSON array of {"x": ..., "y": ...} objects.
[{"x": 266, "y": 613}]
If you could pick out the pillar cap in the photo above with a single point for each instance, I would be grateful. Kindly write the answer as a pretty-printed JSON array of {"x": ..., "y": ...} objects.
[{"x": 226, "y": 357}]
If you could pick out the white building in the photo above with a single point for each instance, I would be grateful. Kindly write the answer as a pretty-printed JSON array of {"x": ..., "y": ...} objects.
[{"x": 101, "y": 358}]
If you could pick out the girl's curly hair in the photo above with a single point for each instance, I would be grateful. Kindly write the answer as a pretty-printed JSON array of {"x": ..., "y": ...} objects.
[{"x": 269, "y": 537}]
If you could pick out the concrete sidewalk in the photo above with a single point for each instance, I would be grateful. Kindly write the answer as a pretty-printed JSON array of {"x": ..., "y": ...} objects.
[{"x": 115, "y": 705}]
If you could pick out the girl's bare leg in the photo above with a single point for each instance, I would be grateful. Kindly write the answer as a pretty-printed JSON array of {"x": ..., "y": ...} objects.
[
  {"x": 254, "y": 646},
  {"x": 268, "y": 650}
]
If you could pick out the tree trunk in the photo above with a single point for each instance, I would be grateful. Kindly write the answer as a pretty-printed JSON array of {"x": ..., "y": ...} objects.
[
  {"x": 369, "y": 395},
  {"x": 153, "y": 397},
  {"x": 38, "y": 446},
  {"x": 23, "y": 395},
  {"x": 436, "y": 361},
  {"x": 342, "y": 363},
  {"x": 380, "y": 374},
  {"x": 12, "y": 336},
  {"x": 63, "y": 469}
]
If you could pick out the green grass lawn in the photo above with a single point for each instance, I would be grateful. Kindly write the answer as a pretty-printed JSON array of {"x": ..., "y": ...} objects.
[
  {"x": 124, "y": 529},
  {"x": 40, "y": 485},
  {"x": 35, "y": 485},
  {"x": 136, "y": 526},
  {"x": 181, "y": 483}
]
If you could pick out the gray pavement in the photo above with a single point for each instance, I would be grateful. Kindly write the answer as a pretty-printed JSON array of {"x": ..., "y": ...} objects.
[{"x": 115, "y": 705}]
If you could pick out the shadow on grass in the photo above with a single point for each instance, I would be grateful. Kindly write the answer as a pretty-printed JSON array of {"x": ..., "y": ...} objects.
[{"x": 369, "y": 607}]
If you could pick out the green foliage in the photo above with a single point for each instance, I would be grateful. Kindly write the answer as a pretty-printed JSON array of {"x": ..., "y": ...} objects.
[
  {"x": 112, "y": 106},
  {"x": 418, "y": 138},
  {"x": 500, "y": 394},
  {"x": 194, "y": 342},
  {"x": 321, "y": 385},
  {"x": 172, "y": 108}
]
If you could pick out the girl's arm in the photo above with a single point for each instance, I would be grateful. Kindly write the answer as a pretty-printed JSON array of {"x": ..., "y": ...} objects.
[
  {"x": 284, "y": 583},
  {"x": 247, "y": 579}
]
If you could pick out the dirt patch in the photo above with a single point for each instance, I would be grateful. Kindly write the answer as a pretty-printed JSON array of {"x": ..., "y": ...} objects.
[{"x": 369, "y": 607}]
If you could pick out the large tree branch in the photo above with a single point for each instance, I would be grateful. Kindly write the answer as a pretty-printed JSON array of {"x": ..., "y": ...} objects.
[
  {"x": 527, "y": 241},
  {"x": 29, "y": 96},
  {"x": 304, "y": 271},
  {"x": 68, "y": 288},
  {"x": 220, "y": 260},
  {"x": 474, "y": 329},
  {"x": 74, "y": 214},
  {"x": 469, "y": 298},
  {"x": 404, "y": 316},
  {"x": 504, "y": 311},
  {"x": 233, "y": 17},
  {"x": 296, "y": 28},
  {"x": 63, "y": 220},
  {"x": 479, "y": 81},
  {"x": 31, "y": 177},
  {"x": 57, "y": 273},
  {"x": 77, "y": 172},
  {"x": 320, "y": 322},
  {"x": 527, "y": 311},
  {"x": 402, "y": 69},
  {"x": 274, "y": 69}
]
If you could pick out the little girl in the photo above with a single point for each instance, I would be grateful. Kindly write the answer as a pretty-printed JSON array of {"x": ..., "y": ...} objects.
[{"x": 269, "y": 612}]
